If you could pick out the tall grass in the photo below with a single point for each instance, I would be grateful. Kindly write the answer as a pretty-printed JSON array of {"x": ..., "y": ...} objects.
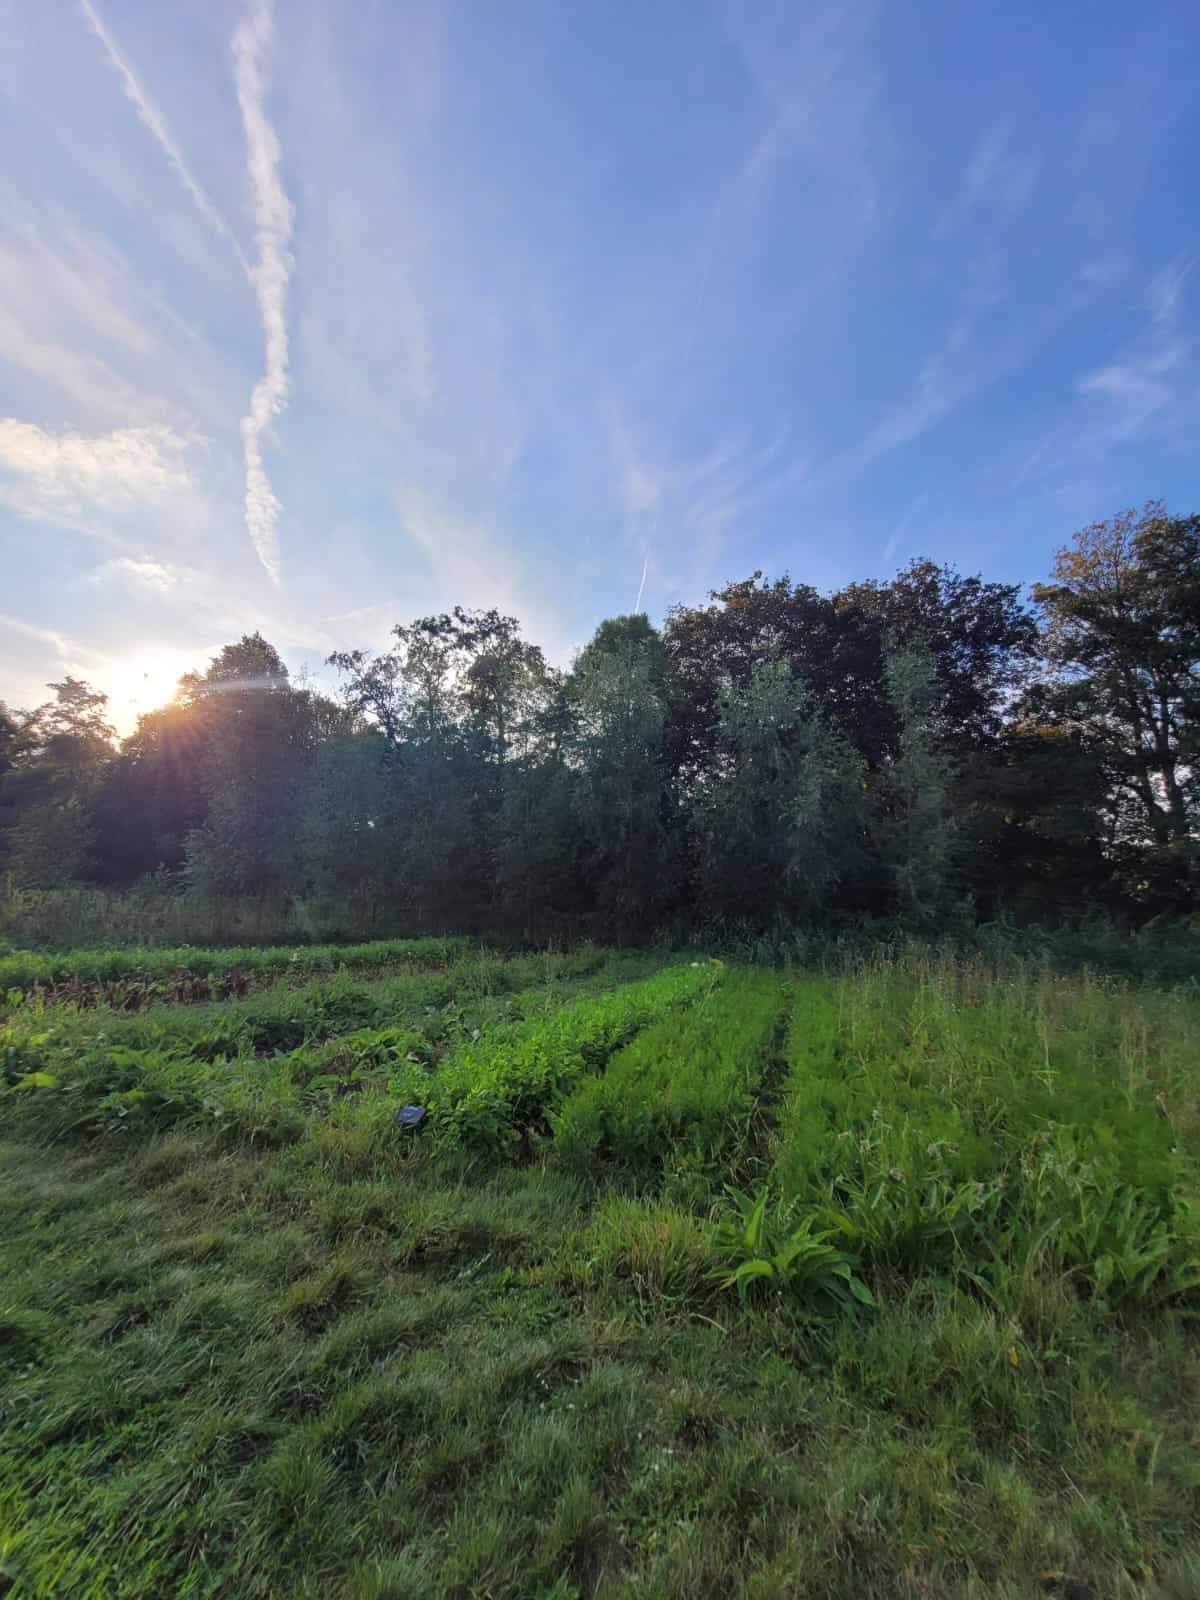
[
  {"x": 158, "y": 911},
  {"x": 257, "y": 1339},
  {"x": 683, "y": 1086},
  {"x": 937, "y": 1117}
]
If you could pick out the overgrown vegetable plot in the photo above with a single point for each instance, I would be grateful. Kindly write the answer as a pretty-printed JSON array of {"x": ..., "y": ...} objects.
[
  {"x": 495, "y": 1088},
  {"x": 153, "y": 974},
  {"x": 977, "y": 1134},
  {"x": 690, "y": 1280},
  {"x": 686, "y": 1084}
]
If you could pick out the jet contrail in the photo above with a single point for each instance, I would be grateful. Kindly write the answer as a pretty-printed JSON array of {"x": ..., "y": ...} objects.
[
  {"x": 270, "y": 273},
  {"x": 637, "y": 604},
  {"x": 154, "y": 122}
]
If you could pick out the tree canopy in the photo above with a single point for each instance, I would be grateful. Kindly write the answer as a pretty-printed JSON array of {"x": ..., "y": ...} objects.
[{"x": 923, "y": 749}]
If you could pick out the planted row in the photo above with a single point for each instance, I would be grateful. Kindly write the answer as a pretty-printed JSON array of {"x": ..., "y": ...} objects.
[
  {"x": 684, "y": 1084},
  {"x": 955, "y": 1139},
  {"x": 149, "y": 1072},
  {"x": 22, "y": 969},
  {"x": 284, "y": 1016},
  {"x": 495, "y": 1089}
]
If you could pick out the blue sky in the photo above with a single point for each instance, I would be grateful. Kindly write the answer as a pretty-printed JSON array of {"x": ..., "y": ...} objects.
[{"x": 321, "y": 316}]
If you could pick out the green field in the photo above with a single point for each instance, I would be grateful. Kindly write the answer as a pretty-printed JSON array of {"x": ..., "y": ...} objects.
[{"x": 695, "y": 1279}]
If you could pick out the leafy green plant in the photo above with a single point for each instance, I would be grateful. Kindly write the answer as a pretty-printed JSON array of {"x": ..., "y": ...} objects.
[
  {"x": 763, "y": 1249},
  {"x": 495, "y": 1088},
  {"x": 908, "y": 1221},
  {"x": 22, "y": 969},
  {"x": 682, "y": 1085}
]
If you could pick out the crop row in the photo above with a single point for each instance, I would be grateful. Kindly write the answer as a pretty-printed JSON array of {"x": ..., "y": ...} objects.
[
  {"x": 189, "y": 967},
  {"x": 957, "y": 1138},
  {"x": 283, "y": 1016},
  {"x": 684, "y": 1084},
  {"x": 495, "y": 1053},
  {"x": 494, "y": 1090}
]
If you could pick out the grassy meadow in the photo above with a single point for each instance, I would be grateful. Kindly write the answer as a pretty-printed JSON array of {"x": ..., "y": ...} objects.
[{"x": 695, "y": 1278}]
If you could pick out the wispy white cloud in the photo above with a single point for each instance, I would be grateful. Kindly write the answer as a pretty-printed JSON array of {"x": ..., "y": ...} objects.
[
  {"x": 641, "y": 485},
  {"x": 155, "y": 123},
  {"x": 144, "y": 573},
  {"x": 814, "y": 68},
  {"x": 1165, "y": 289},
  {"x": 56, "y": 476},
  {"x": 30, "y": 656},
  {"x": 1000, "y": 174},
  {"x": 696, "y": 499},
  {"x": 270, "y": 274},
  {"x": 471, "y": 564},
  {"x": 899, "y": 532},
  {"x": 941, "y": 382},
  {"x": 1103, "y": 271},
  {"x": 1143, "y": 384},
  {"x": 90, "y": 382},
  {"x": 1137, "y": 389},
  {"x": 58, "y": 642}
]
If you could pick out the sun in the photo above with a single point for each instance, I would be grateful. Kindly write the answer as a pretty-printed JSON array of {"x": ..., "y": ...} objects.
[{"x": 142, "y": 682}]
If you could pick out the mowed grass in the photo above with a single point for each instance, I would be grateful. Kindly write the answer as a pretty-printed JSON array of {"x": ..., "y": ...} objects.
[{"x": 352, "y": 1363}]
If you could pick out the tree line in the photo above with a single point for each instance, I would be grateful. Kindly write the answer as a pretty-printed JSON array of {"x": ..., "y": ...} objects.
[{"x": 924, "y": 750}]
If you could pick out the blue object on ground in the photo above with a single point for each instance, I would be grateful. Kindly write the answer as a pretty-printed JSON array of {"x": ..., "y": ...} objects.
[{"x": 410, "y": 1116}]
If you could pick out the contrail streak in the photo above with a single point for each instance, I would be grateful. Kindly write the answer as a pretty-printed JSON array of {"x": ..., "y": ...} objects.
[
  {"x": 270, "y": 273},
  {"x": 155, "y": 123}
]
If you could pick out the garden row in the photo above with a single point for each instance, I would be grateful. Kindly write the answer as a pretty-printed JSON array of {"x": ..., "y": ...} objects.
[
  {"x": 198, "y": 973},
  {"x": 485, "y": 1070},
  {"x": 284, "y": 1016},
  {"x": 919, "y": 1134}
]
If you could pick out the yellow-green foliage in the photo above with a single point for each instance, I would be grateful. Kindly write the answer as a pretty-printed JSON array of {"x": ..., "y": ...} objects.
[
  {"x": 1002, "y": 1128},
  {"x": 682, "y": 1085},
  {"x": 493, "y": 1089}
]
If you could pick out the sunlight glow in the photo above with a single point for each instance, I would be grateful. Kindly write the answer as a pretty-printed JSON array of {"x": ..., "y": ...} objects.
[{"x": 143, "y": 682}]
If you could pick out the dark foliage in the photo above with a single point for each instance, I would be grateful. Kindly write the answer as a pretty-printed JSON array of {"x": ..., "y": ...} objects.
[{"x": 925, "y": 750}]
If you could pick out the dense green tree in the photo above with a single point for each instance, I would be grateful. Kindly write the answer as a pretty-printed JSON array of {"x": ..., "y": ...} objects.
[
  {"x": 154, "y": 794},
  {"x": 980, "y": 639},
  {"x": 259, "y": 733},
  {"x": 918, "y": 826},
  {"x": 1033, "y": 831},
  {"x": 10, "y": 728},
  {"x": 58, "y": 758},
  {"x": 779, "y": 816},
  {"x": 1123, "y": 635},
  {"x": 621, "y": 801}
]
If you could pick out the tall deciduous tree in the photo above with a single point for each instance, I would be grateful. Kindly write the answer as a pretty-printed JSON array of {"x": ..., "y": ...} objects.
[
  {"x": 260, "y": 732},
  {"x": 779, "y": 815},
  {"x": 918, "y": 828},
  {"x": 1123, "y": 633},
  {"x": 620, "y": 793},
  {"x": 59, "y": 758}
]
